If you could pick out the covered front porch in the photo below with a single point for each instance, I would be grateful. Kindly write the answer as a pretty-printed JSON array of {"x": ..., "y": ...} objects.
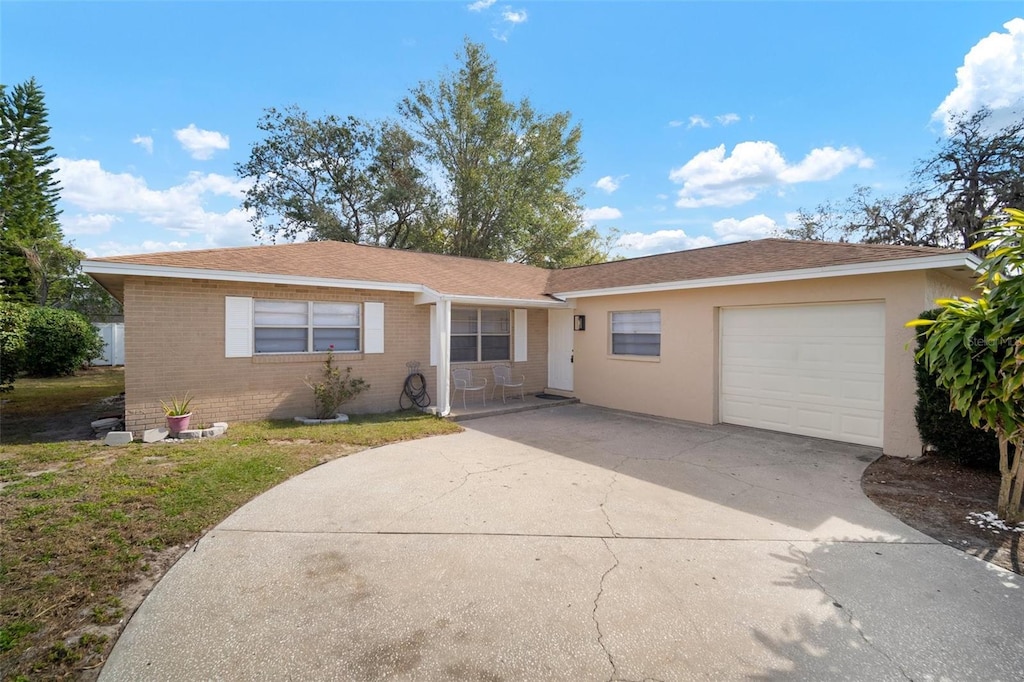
[
  {"x": 476, "y": 409},
  {"x": 533, "y": 337}
]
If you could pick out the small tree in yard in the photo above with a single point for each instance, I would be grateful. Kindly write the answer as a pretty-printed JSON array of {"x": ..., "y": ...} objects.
[
  {"x": 335, "y": 388},
  {"x": 975, "y": 347}
]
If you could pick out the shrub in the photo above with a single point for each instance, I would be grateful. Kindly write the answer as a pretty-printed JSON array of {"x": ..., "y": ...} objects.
[
  {"x": 335, "y": 388},
  {"x": 13, "y": 332},
  {"x": 59, "y": 342},
  {"x": 947, "y": 430}
]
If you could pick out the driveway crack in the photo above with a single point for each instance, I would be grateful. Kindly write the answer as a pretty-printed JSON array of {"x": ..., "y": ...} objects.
[
  {"x": 597, "y": 622},
  {"x": 847, "y": 614},
  {"x": 466, "y": 475},
  {"x": 608, "y": 492}
]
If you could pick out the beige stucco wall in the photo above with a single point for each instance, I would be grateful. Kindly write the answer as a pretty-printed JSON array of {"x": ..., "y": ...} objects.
[
  {"x": 174, "y": 342},
  {"x": 683, "y": 382}
]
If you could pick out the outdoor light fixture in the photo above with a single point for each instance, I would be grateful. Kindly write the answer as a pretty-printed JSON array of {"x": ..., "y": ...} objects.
[{"x": 579, "y": 322}]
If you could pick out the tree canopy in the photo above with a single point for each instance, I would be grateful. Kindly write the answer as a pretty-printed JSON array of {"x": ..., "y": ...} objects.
[
  {"x": 972, "y": 172},
  {"x": 333, "y": 178},
  {"x": 28, "y": 190},
  {"x": 464, "y": 171}
]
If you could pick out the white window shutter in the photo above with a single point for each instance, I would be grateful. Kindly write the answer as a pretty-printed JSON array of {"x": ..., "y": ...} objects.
[
  {"x": 433, "y": 336},
  {"x": 519, "y": 327},
  {"x": 237, "y": 327},
  {"x": 373, "y": 327}
]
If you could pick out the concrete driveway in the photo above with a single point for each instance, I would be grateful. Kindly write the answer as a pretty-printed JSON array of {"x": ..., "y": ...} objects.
[{"x": 576, "y": 543}]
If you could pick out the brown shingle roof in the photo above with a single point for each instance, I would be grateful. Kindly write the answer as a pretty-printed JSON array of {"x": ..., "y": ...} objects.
[
  {"x": 338, "y": 260},
  {"x": 730, "y": 260},
  {"x": 475, "y": 277}
]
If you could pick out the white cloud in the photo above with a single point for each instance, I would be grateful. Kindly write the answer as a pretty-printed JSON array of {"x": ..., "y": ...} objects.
[
  {"x": 514, "y": 17},
  {"x": 992, "y": 76},
  {"x": 115, "y": 248},
  {"x": 661, "y": 241},
  {"x": 201, "y": 144},
  {"x": 89, "y": 223},
  {"x": 711, "y": 178},
  {"x": 610, "y": 184},
  {"x": 754, "y": 227},
  {"x": 603, "y": 213},
  {"x": 698, "y": 121},
  {"x": 480, "y": 5},
  {"x": 144, "y": 141},
  {"x": 182, "y": 209}
]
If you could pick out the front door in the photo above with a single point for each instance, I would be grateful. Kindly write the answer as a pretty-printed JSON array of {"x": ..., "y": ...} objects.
[{"x": 560, "y": 348}]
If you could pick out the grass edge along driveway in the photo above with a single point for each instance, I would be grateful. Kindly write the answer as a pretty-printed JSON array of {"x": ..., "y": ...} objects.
[{"x": 86, "y": 529}]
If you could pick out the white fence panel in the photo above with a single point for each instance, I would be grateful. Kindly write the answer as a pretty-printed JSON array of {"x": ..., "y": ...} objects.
[{"x": 112, "y": 334}]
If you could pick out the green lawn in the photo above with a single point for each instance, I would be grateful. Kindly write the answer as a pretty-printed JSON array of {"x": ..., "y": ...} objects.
[{"x": 81, "y": 522}]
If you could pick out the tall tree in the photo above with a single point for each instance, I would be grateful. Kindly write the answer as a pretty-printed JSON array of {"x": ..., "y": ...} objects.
[
  {"x": 909, "y": 219},
  {"x": 28, "y": 189},
  {"x": 504, "y": 169},
  {"x": 974, "y": 172},
  {"x": 333, "y": 178}
]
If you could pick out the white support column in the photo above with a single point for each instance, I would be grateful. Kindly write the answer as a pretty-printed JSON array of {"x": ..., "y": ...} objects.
[{"x": 443, "y": 316}]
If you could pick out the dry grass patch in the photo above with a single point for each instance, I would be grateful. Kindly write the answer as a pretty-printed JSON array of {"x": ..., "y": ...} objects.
[{"x": 82, "y": 523}]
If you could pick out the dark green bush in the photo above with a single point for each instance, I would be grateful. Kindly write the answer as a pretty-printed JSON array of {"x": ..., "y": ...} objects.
[
  {"x": 59, "y": 342},
  {"x": 950, "y": 432},
  {"x": 13, "y": 331}
]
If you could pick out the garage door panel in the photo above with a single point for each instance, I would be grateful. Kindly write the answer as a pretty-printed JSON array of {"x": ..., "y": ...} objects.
[
  {"x": 812, "y": 370},
  {"x": 863, "y": 429},
  {"x": 814, "y": 420},
  {"x": 774, "y": 414},
  {"x": 862, "y": 391},
  {"x": 819, "y": 387},
  {"x": 740, "y": 411},
  {"x": 867, "y": 353}
]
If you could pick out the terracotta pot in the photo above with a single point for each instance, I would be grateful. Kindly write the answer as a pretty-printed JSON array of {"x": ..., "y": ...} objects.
[{"x": 178, "y": 424}]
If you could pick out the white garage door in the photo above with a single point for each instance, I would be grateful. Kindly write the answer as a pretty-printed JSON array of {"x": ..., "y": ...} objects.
[{"x": 815, "y": 370}]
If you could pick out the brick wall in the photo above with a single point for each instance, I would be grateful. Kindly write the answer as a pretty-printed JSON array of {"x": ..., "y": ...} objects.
[
  {"x": 174, "y": 342},
  {"x": 535, "y": 368}
]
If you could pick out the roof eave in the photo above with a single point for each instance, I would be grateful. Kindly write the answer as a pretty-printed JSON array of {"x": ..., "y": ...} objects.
[
  {"x": 966, "y": 261},
  {"x": 142, "y": 270}
]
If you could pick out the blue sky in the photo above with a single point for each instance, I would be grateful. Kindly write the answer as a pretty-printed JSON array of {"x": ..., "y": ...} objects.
[{"x": 702, "y": 122}]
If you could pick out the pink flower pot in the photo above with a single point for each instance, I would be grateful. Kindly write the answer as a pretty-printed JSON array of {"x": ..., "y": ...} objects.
[{"x": 178, "y": 424}]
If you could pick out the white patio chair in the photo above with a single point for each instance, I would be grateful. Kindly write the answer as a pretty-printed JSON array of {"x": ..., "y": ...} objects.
[
  {"x": 462, "y": 380},
  {"x": 503, "y": 377}
]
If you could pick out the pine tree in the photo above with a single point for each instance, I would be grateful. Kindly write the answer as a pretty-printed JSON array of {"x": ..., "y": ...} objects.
[{"x": 28, "y": 189}]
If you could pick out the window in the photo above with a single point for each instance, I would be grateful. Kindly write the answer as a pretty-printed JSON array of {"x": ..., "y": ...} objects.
[
  {"x": 637, "y": 333},
  {"x": 305, "y": 326},
  {"x": 480, "y": 334}
]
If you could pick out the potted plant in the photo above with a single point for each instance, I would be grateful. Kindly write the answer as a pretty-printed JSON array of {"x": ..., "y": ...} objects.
[{"x": 178, "y": 413}]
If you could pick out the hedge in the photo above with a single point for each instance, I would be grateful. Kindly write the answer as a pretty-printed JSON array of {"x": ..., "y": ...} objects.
[{"x": 949, "y": 432}]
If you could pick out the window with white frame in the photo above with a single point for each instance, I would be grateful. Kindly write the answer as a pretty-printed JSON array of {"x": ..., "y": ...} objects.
[
  {"x": 305, "y": 326},
  {"x": 481, "y": 334},
  {"x": 636, "y": 332}
]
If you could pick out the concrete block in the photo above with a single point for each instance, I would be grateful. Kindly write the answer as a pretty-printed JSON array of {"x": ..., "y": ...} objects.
[
  {"x": 218, "y": 431},
  {"x": 221, "y": 425},
  {"x": 118, "y": 438},
  {"x": 189, "y": 434},
  {"x": 154, "y": 435},
  {"x": 106, "y": 423}
]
